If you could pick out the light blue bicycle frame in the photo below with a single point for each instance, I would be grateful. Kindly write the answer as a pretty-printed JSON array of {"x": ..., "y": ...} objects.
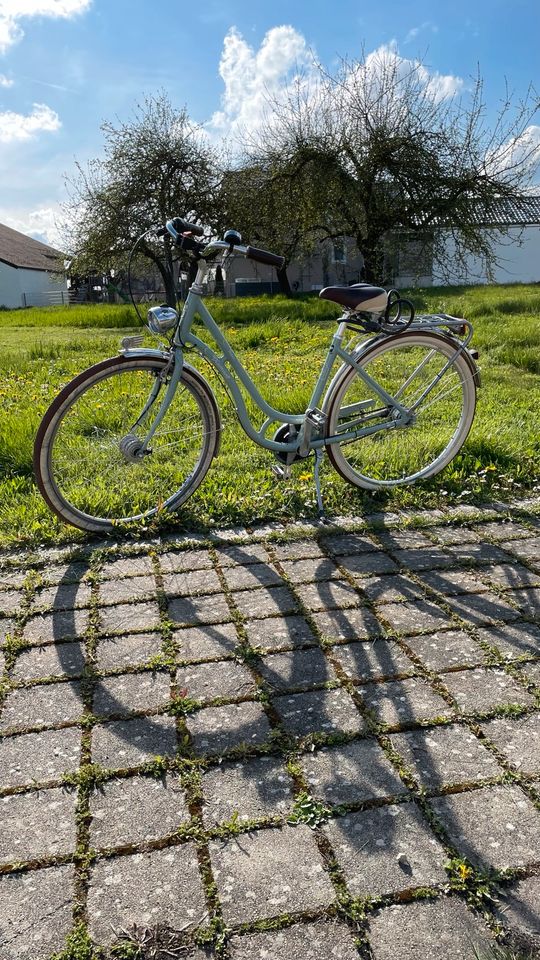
[{"x": 183, "y": 337}]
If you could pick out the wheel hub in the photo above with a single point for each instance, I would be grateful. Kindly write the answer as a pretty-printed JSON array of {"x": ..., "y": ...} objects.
[{"x": 131, "y": 448}]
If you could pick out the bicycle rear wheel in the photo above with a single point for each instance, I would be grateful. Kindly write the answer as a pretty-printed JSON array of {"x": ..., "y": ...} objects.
[
  {"x": 404, "y": 366},
  {"x": 85, "y": 453}
]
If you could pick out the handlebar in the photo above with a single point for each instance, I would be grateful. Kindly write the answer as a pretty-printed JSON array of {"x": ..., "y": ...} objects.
[{"x": 177, "y": 227}]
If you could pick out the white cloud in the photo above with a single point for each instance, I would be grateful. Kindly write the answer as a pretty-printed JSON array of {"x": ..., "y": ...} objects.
[
  {"x": 284, "y": 66},
  {"x": 18, "y": 126},
  {"x": 41, "y": 224},
  {"x": 12, "y": 11},
  {"x": 414, "y": 31},
  {"x": 5, "y": 81},
  {"x": 519, "y": 151},
  {"x": 252, "y": 77}
]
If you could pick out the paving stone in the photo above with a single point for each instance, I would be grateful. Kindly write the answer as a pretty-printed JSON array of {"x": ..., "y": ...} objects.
[
  {"x": 296, "y": 550},
  {"x": 127, "y": 590},
  {"x": 423, "y": 558},
  {"x": 10, "y": 602},
  {"x": 367, "y": 564},
  {"x": 373, "y": 660},
  {"x": 296, "y": 669},
  {"x": 319, "y": 711},
  {"x": 242, "y": 554},
  {"x": 391, "y": 589},
  {"x": 459, "y": 535},
  {"x": 351, "y": 773},
  {"x": 191, "y": 583},
  {"x": 63, "y": 597},
  {"x": 504, "y": 530},
  {"x": 251, "y": 577},
  {"x": 528, "y": 601},
  {"x": 60, "y": 625},
  {"x": 185, "y": 560},
  {"x": 310, "y": 571},
  {"x": 251, "y": 790},
  {"x": 63, "y": 573},
  {"x": 37, "y": 757},
  {"x": 216, "y": 729},
  {"x": 445, "y": 755},
  {"x": 404, "y": 701},
  {"x": 200, "y": 643},
  {"x": 44, "y": 705},
  {"x": 7, "y": 628},
  {"x": 51, "y": 660},
  {"x": 222, "y": 678},
  {"x": 513, "y": 640},
  {"x": 446, "y": 650},
  {"x": 453, "y": 582},
  {"x": 278, "y": 632},
  {"x": 510, "y": 576},
  {"x": 386, "y": 850},
  {"x": 323, "y": 940},
  {"x": 494, "y": 827},
  {"x": 195, "y": 611},
  {"x": 268, "y": 873},
  {"x": 127, "y": 567},
  {"x": 519, "y": 739},
  {"x": 329, "y": 594},
  {"x": 37, "y": 824},
  {"x": 354, "y": 624},
  {"x": 129, "y": 743},
  {"x": 403, "y": 539},
  {"x": 143, "y": 889},
  {"x": 129, "y": 618},
  {"x": 135, "y": 810},
  {"x": 135, "y": 649},
  {"x": 519, "y": 906},
  {"x": 265, "y": 603},
  {"x": 478, "y": 553},
  {"x": 347, "y": 544},
  {"x": 35, "y": 913},
  {"x": 482, "y": 608},
  {"x": 524, "y": 549},
  {"x": 417, "y": 617},
  {"x": 130, "y": 693},
  {"x": 442, "y": 929},
  {"x": 482, "y": 689},
  {"x": 12, "y": 579}
]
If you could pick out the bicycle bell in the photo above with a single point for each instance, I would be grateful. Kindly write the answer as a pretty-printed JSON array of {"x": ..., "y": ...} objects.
[{"x": 162, "y": 318}]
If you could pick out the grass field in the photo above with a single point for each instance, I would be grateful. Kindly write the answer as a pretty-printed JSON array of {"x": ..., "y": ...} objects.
[{"x": 282, "y": 344}]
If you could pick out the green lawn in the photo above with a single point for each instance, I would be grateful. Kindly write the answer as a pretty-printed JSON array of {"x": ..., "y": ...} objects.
[{"x": 282, "y": 344}]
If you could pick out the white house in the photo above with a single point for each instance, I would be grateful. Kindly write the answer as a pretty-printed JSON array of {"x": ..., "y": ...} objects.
[
  {"x": 516, "y": 249},
  {"x": 31, "y": 273}
]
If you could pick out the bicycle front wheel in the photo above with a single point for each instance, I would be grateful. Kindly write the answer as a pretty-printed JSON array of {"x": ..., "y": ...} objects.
[
  {"x": 413, "y": 369},
  {"x": 85, "y": 454}
]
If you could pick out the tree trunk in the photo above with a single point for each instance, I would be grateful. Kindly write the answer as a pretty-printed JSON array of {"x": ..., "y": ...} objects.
[{"x": 284, "y": 285}]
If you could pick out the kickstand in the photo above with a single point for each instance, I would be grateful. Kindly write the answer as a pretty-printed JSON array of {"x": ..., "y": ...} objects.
[{"x": 316, "y": 473}]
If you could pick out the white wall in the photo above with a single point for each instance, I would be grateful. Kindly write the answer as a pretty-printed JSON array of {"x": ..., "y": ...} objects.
[
  {"x": 39, "y": 287},
  {"x": 518, "y": 253},
  {"x": 10, "y": 290}
]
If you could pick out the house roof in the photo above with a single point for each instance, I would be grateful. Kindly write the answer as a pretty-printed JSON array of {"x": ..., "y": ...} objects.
[
  {"x": 503, "y": 213},
  {"x": 18, "y": 250}
]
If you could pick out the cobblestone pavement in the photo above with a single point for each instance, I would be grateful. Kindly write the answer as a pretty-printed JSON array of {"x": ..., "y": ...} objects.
[{"x": 312, "y": 742}]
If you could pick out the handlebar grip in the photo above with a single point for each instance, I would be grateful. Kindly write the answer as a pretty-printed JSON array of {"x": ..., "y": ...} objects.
[
  {"x": 264, "y": 256},
  {"x": 182, "y": 226}
]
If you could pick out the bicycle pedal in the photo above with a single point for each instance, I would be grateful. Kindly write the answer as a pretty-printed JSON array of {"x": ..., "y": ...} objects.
[
  {"x": 281, "y": 473},
  {"x": 316, "y": 417}
]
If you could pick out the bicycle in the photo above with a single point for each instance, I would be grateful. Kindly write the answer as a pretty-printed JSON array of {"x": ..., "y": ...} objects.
[{"x": 135, "y": 434}]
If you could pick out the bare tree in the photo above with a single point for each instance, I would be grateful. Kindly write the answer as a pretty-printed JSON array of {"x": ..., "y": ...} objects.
[
  {"x": 384, "y": 152},
  {"x": 156, "y": 165}
]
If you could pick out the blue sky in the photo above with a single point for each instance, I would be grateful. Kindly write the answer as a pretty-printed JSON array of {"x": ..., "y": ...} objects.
[{"x": 66, "y": 65}]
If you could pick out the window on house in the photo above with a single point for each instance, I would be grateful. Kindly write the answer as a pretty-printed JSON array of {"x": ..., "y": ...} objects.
[
  {"x": 415, "y": 258},
  {"x": 339, "y": 254}
]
